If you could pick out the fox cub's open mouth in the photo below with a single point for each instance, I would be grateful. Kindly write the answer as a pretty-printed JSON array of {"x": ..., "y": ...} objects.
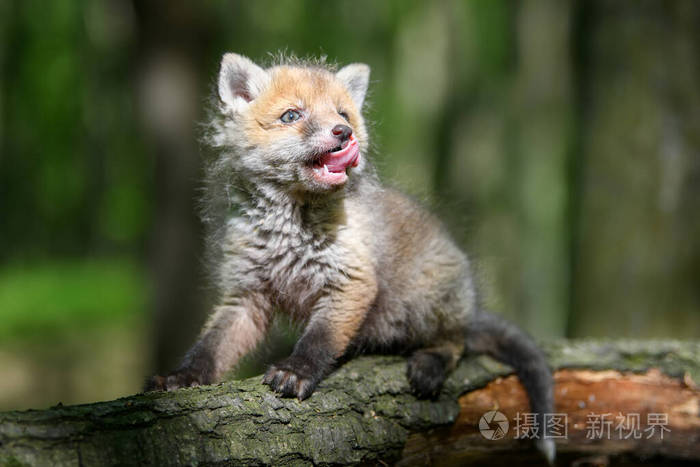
[{"x": 330, "y": 167}]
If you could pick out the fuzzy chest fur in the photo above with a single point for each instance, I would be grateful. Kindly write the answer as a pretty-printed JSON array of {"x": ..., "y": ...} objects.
[{"x": 286, "y": 252}]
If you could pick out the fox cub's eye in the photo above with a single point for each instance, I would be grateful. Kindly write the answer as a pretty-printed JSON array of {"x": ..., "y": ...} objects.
[
  {"x": 290, "y": 116},
  {"x": 344, "y": 115}
]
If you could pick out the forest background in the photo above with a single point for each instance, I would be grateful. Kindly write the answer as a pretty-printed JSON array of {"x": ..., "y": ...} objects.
[{"x": 559, "y": 141}]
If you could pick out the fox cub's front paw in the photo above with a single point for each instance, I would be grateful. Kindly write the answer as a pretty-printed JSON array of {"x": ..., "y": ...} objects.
[
  {"x": 293, "y": 377},
  {"x": 175, "y": 380}
]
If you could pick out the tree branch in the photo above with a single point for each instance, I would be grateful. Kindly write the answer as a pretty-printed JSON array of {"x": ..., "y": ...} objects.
[{"x": 364, "y": 413}]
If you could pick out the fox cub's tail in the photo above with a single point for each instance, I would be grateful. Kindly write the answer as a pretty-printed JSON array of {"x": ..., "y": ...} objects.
[{"x": 490, "y": 334}]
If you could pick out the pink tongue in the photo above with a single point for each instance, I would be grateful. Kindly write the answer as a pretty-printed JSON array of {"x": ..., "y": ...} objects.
[{"x": 340, "y": 160}]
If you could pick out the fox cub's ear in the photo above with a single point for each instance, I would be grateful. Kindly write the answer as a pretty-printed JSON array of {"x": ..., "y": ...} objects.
[
  {"x": 240, "y": 80},
  {"x": 355, "y": 77}
]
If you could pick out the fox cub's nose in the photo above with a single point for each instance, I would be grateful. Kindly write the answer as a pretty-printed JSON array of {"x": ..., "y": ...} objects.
[{"x": 343, "y": 132}]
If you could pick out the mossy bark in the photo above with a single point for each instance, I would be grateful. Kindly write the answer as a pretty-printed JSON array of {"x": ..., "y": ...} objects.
[{"x": 363, "y": 413}]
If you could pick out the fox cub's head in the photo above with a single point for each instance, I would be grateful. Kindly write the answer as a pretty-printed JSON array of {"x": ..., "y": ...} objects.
[{"x": 298, "y": 127}]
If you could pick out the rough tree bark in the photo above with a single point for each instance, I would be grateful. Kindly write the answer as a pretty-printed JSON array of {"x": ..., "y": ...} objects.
[{"x": 364, "y": 413}]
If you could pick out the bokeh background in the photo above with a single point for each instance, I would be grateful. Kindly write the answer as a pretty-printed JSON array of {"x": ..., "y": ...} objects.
[{"x": 559, "y": 140}]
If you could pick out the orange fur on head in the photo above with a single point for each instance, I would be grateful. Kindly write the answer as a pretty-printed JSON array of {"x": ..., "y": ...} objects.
[{"x": 314, "y": 91}]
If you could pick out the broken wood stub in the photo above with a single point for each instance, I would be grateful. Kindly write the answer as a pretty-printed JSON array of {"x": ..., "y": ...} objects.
[{"x": 601, "y": 412}]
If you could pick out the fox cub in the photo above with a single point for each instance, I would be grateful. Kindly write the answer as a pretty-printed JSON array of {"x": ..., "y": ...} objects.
[{"x": 300, "y": 223}]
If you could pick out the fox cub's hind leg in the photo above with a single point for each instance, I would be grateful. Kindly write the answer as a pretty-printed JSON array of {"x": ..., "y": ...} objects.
[
  {"x": 428, "y": 368},
  {"x": 232, "y": 330}
]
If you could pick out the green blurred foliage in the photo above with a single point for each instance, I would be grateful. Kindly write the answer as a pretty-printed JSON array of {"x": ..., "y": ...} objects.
[
  {"x": 57, "y": 296},
  {"x": 74, "y": 173}
]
